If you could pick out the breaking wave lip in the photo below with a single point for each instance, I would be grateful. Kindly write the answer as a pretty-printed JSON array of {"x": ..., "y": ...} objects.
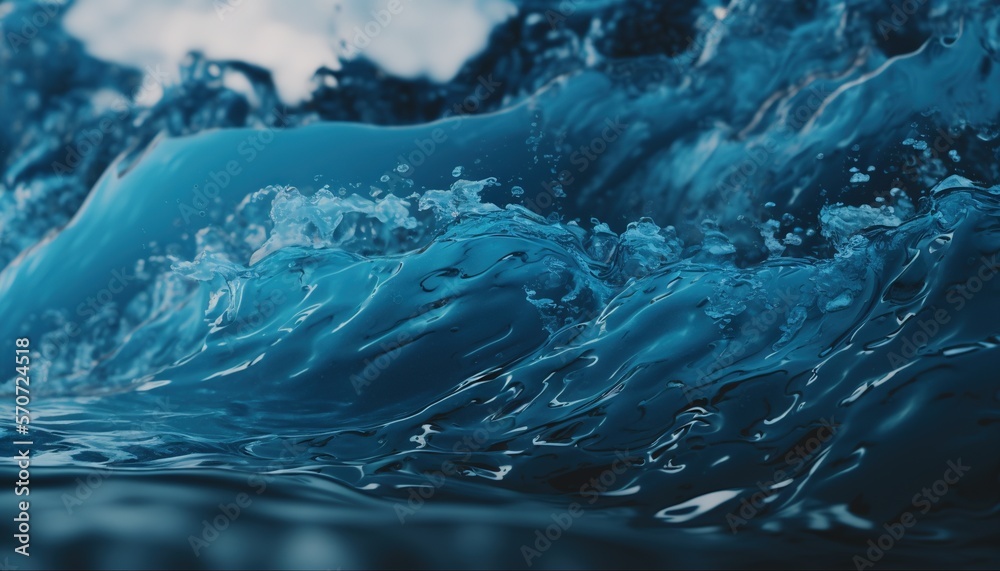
[{"x": 766, "y": 314}]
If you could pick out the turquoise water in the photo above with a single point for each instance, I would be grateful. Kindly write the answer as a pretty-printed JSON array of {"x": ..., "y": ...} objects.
[{"x": 721, "y": 302}]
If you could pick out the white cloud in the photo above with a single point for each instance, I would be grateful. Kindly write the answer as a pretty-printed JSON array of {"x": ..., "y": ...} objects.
[{"x": 429, "y": 38}]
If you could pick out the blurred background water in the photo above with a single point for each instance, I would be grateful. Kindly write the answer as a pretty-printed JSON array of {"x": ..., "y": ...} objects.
[{"x": 496, "y": 283}]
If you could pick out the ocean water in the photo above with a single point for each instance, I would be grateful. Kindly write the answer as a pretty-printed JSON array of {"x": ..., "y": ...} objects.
[{"x": 644, "y": 284}]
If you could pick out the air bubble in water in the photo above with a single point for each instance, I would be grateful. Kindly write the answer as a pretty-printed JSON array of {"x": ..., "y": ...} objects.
[{"x": 988, "y": 133}]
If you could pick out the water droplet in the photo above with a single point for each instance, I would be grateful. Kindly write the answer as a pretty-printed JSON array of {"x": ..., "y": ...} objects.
[
  {"x": 988, "y": 133},
  {"x": 793, "y": 240}
]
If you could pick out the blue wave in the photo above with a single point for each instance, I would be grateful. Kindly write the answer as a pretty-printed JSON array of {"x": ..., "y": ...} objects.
[{"x": 733, "y": 294}]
